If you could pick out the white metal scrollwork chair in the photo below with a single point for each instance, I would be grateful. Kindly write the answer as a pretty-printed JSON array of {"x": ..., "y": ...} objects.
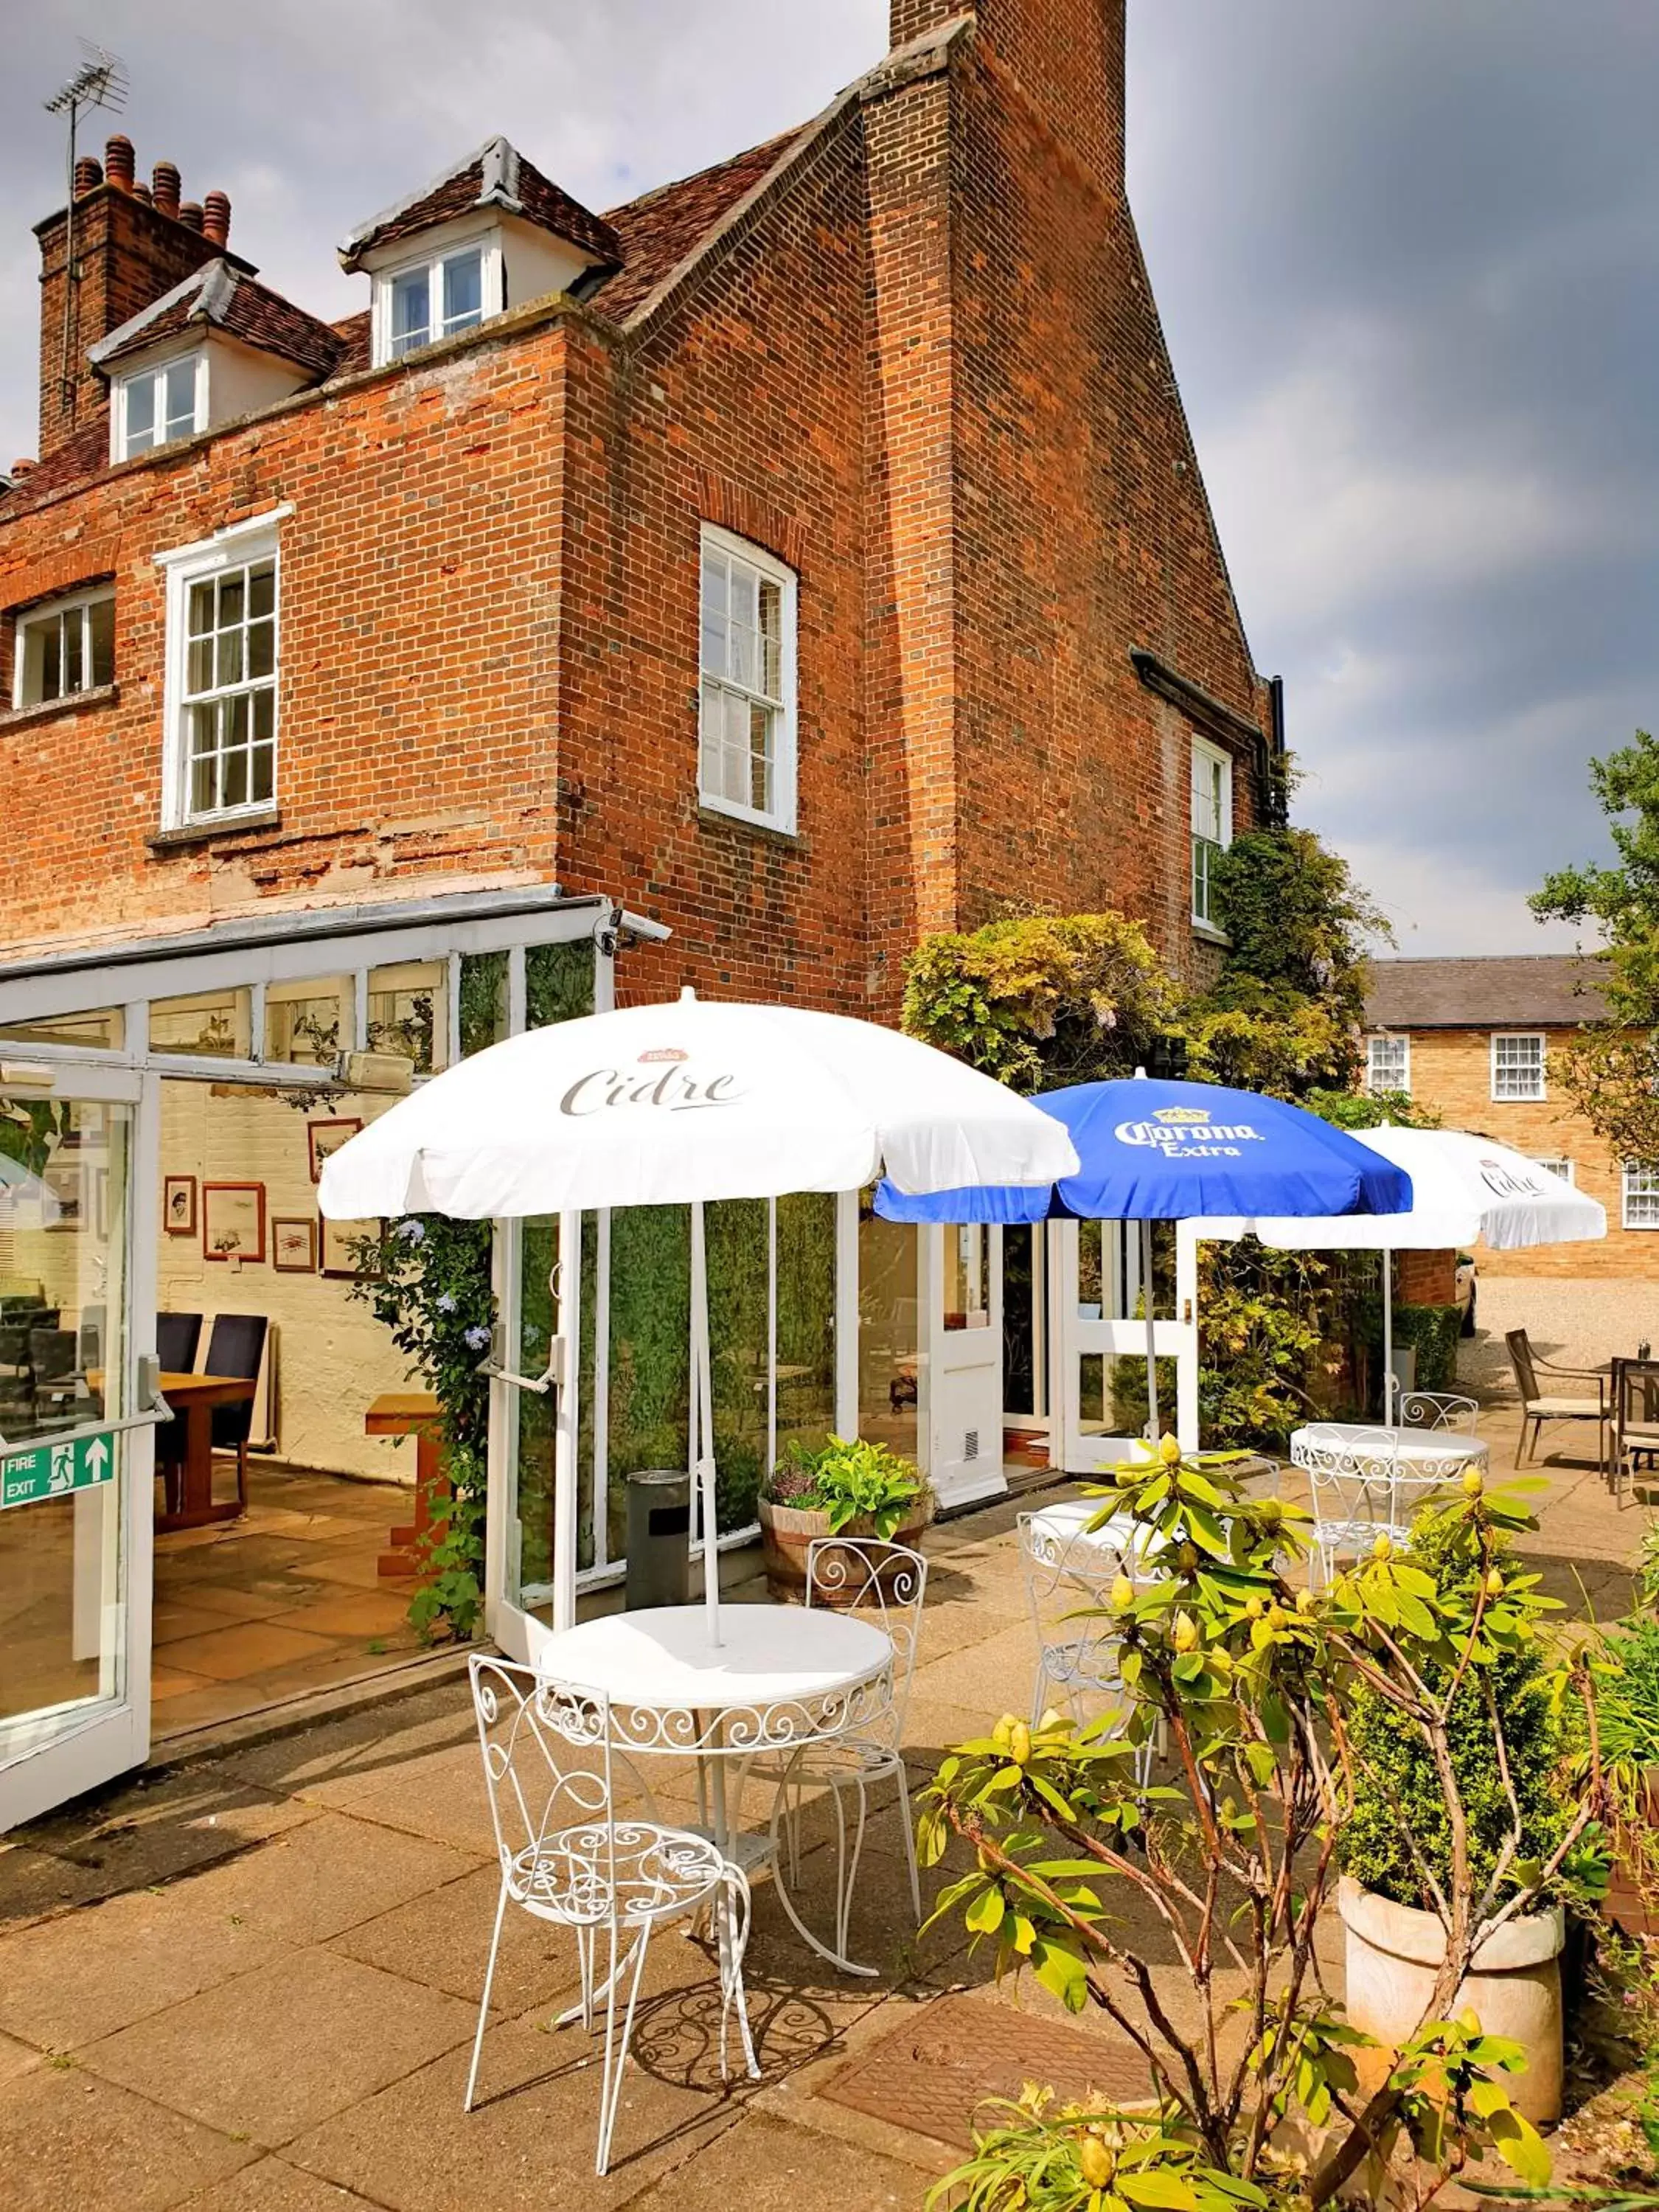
[
  {"x": 1069, "y": 1574},
  {"x": 1360, "y": 1493},
  {"x": 887, "y": 1583},
  {"x": 565, "y": 1858},
  {"x": 1438, "y": 1409}
]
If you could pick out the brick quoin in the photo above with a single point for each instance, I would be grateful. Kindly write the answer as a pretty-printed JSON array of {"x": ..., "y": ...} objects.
[{"x": 912, "y": 350}]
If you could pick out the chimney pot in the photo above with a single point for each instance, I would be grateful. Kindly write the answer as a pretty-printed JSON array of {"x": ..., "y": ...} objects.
[
  {"x": 89, "y": 175},
  {"x": 164, "y": 186},
  {"x": 118, "y": 163},
  {"x": 23, "y": 468},
  {"x": 215, "y": 218},
  {"x": 190, "y": 214},
  {"x": 140, "y": 192}
]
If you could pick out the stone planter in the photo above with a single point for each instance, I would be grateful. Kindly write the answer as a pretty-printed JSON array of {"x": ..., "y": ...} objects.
[
  {"x": 1513, "y": 1987},
  {"x": 787, "y": 1532}
]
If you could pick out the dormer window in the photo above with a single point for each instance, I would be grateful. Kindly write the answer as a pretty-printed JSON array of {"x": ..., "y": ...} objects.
[
  {"x": 154, "y": 406},
  {"x": 435, "y": 299}
]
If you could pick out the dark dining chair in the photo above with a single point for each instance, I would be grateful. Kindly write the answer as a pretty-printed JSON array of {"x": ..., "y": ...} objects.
[
  {"x": 177, "y": 1336},
  {"x": 55, "y": 1371},
  {"x": 236, "y": 1346}
]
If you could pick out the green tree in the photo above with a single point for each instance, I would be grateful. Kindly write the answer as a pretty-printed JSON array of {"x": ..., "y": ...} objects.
[{"x": 1607, "y": 1071}]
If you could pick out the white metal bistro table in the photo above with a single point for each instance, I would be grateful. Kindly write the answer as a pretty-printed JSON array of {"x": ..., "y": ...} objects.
[
  {"x": 781, "y": 1676},
  {"x": 1424, "y": 1454}
]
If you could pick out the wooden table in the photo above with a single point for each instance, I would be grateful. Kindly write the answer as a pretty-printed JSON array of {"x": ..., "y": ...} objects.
[
  {"x": 190, "y": 1490},
  {"x": 414, "y": 1414}
]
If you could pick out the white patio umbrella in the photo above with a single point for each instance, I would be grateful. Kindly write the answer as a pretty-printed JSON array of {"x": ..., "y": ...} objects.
[
  {"x": 676, "y": 1104},
  {"x": 1464, "y": 1189}
]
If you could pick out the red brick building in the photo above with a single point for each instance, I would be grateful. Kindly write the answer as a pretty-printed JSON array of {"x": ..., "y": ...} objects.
[
  {"x": 803, "y": 557},
  {"x": 908, "y": 356}
]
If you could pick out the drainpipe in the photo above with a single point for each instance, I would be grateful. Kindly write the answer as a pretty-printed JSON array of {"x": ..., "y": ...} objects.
[{"x": 1276, "y": 795}]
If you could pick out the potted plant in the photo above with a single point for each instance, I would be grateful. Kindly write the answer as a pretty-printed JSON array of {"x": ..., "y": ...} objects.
[
  {"x": 848, "y": 1487},
  {"x": 1398, "y": 1843}
]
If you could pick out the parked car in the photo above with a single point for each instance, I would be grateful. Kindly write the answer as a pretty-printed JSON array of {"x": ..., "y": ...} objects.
[{"x": 1463, "y": 1292}]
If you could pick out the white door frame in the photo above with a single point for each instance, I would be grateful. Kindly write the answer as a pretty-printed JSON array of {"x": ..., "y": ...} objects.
[
  {"x": 112, "y": 1735},
  {"x": 964, "y": 1398},
  {"x": 1074, "y": 1339}
]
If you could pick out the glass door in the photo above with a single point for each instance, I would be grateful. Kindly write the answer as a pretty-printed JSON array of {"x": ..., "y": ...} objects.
[
  {"x": 965, "y": 1306},
  {"x": 78, "y": 1255},
  {"x": 1099, "y": 1369}
]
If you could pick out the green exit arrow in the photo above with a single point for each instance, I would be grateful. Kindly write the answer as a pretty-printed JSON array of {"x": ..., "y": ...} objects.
[{"x": 32, "y": 1472}]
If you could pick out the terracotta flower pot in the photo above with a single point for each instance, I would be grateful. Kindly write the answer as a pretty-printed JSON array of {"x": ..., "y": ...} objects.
[
  {"x": 787, "y": 1532},
  {"x": 1513, "y": 1987}
]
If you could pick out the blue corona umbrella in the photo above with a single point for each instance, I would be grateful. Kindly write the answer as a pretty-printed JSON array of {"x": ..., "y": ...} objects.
[{"x": 1153, "y": 1150}]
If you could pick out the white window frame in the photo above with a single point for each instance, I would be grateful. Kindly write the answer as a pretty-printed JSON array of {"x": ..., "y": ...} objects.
[
  {"x": 1393, "y": 1038},
  {"x": 45, "y": 610},
  {"x": 1567, "y": 1170},
  {"x": 121, "y": 392},
  {"x": 1214, "y": 756},
  {"x": 786, "y": 771},
  {"x": 1637, "y": 1170},
  {"x": 486, "y": 242},
  {"x": 233, "y": 547},
  {"x": 1520, "y": 1036}
]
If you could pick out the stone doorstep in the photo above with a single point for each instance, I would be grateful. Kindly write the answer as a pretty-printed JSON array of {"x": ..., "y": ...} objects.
[{"x": 307, "y": 1709}]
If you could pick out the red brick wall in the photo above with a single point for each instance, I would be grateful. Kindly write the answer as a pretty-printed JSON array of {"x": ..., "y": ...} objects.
[{"x": 927, "y": 372}]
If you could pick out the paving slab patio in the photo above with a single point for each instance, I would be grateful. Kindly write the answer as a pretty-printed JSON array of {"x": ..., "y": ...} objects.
[{"x": 249, "y": 1983}]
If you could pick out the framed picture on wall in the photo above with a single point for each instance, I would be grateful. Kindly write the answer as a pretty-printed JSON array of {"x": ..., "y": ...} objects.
[
  {"x": 326, "y": 1139},
  {"x": 178, "y": 1205},
  {"x": 339, "y": 1257},
  {"x": 293, "y": 1247},
  {"x": 233, "y": 1221}
]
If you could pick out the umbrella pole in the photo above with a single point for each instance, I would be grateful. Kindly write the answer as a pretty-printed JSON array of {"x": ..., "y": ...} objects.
[
  {"x": 702, "y": 1421},
  {"x": 1388, "y": 1338},
  {"x": 1154, "y": 1425}
]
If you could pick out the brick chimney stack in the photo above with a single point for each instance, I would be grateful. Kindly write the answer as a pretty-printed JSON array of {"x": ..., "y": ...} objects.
[
  {"x": 132, "y": 242},
  {"x": 1066, "y": 55}
]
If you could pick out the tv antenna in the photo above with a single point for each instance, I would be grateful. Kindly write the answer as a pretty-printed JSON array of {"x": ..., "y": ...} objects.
[{"x": 100, "y": 81}]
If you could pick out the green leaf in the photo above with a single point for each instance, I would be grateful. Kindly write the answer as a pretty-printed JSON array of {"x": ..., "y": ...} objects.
[
  {"x": 1157, "y": 2189},
  {"x": 1521, "y": 2147},
  {"x": 984, "y": 1915}
]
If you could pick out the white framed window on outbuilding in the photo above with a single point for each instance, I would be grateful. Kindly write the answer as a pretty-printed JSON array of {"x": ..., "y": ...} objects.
[
  {"x": 1517, "y": 1066},
  {"x": 222, "y": 657},
  {"x": 1640, "y": 1194},
  {"x": 746, "y": 748},
  {"x": 65, "y": 645},
  {"x": 1388, "y": 1063}
]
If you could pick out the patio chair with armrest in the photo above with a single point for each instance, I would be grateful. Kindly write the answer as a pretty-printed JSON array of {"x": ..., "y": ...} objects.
[
  {"x": 1537, "y": 1404},
  {"x": 1635, "y": 1417}
]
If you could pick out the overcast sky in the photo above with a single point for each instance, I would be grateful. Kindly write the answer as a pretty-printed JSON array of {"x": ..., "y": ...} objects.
[{"x": 1407, "y": 255}]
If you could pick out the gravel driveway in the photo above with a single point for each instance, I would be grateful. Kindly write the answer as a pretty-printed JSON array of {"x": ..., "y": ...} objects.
[{"x": 1575, "y": 1323}]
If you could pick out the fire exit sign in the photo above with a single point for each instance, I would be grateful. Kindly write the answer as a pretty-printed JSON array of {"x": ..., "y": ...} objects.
[{"x": 54, "y": 1470}]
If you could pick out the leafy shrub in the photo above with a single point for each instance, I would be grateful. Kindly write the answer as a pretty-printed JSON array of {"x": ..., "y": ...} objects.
[
  {"x": 1400, "y": 1831},
  {"x": 847, "y": 1479}
]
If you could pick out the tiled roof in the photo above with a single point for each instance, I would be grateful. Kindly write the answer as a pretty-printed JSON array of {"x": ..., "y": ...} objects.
[
  {"x": 496, "y": 175},
  {"x": 1542, "y": 990},
  {"x": 355, "y": 344},
  {"x": 82, "y": 454},
  {"x": 239, "y": 305},
  {"x": 656, "y": 233}
]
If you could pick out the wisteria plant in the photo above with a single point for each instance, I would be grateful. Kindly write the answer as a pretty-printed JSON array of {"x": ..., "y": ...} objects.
[{"x": 1252, "y": 2092}]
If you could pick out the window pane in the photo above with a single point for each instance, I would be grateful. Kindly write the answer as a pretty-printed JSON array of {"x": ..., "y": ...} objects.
[
  {"x": 51, "y": 658},
  {"x": 106, "y": 1028},
  {"x": 201, "y": 608},
  {"x": 770, "y": 677},
  {"x": 261, "y": 648},
  {"x": 235, "y": 779},
  {"x": 406, "y": 1006},
  {"x": 198, "y": 672},
  {"x": 74, "y": 677},
  {"x": 411, "y": 297},
  {"x": 261, "y": 589},
  {"x": 140, "y": 412},
  {"x": 216, "y": 1023},
  {"x": 203, "y": 791},
  {"x": 305, "y": 1022},
  {"x": 102, "y": 623},
  {"x": 230, "y": 657},
  {"x": 232, "y": 592},
  {"x": 760, "y": 759},
  {"x": 180, "y": 387},
  {"x": 463, "y": 283}
]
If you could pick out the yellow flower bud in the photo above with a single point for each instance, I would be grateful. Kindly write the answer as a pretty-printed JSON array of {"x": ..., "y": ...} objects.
[
  {"x": 1473, "y": 1483},
  {"x": 1184, "y": 1635},
  {"x": 1123, "y": 1594},
  {"x": 1019, "y": 1744},
  {"x": 1383, "y": 1547},
  {"x": 1002, "y": 1731},
  {"x": 1305, "y": 1602},
  {"x": 1277, "y": 1618},
  {"x": 1252, "y": 1608},
  {"x": 1170, "y": 1452},
  {"x": 1097, "y": 2162},
  {"x": 1494, "y": 1584}
]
